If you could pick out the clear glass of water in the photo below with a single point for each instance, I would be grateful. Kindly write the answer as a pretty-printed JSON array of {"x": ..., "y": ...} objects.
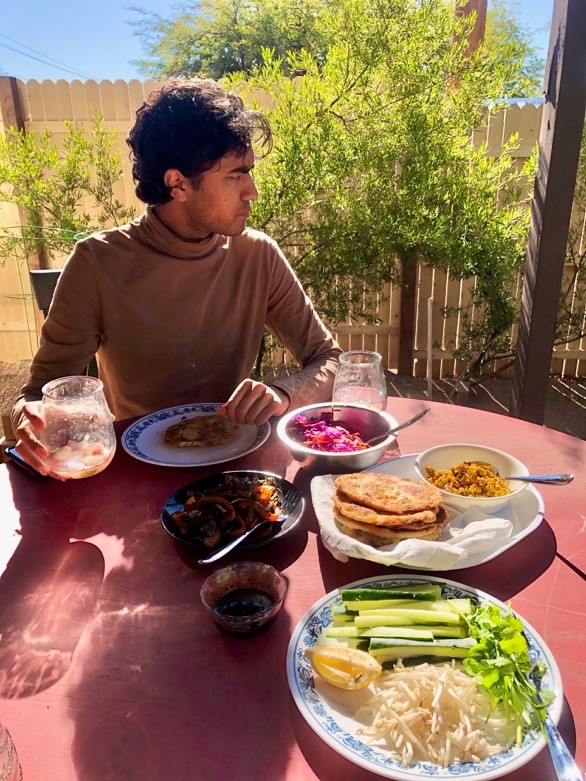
[
  {"x": 360, "y": 379},
  {"x": 78, "y": 433}
]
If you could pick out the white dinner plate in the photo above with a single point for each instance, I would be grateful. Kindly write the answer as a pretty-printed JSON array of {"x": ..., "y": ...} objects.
[
  {"x": 329, "y": 711},
  {"x": 144, "y": 439},
  {"x": 525, "y": 511}
]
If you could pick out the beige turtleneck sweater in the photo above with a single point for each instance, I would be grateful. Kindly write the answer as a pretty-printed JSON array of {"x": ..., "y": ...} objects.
[{"x": 178, "y": 322}]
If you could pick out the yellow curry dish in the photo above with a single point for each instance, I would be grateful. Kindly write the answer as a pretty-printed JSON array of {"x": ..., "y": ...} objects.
[{"x": 469, "y": 479}]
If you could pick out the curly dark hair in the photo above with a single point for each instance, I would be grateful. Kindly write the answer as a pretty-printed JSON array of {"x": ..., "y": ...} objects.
[{"x": 189, "y": 125}]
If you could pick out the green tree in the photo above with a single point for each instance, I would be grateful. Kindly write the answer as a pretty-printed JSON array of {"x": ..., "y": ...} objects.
[
  {"x": 64, "y": 190},
  {"x": 373, "y": 168},
  {"x": 218, "y": 37},
  {"x": 509, "y": 42}
]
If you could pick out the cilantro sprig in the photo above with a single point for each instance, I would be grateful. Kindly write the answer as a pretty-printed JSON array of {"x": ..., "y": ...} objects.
[{"x": 500, "y": 662}]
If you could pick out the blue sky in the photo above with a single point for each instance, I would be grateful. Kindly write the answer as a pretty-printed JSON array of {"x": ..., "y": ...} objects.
[{"x": 95, "y": 40}]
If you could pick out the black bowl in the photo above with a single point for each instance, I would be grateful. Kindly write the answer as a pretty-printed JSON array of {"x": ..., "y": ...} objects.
[{"x": 290, "y": 502}]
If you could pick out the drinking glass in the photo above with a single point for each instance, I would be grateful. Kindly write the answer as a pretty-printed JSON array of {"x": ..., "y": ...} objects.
[
  {"x": 360, "y": 379},
  {"x": 78, "y": 433}
]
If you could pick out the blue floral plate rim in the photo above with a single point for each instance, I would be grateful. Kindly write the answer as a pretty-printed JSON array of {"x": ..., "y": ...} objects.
[
  {"x": 338, "y": 730},
  {"x": 143, "y": 439}
]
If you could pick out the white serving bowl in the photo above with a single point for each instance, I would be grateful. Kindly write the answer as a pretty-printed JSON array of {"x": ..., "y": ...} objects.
[
  {"x": 358, "y": 419},
  {"x": 447, "y": 456}
]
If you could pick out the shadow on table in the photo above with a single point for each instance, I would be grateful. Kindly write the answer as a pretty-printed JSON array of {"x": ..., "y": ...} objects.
[
  {"x": 43, "y": 617},
  {"x": 506, "y": 575},
  {"x": 149, "y": 671},
  {"x": 48, "y": 596},
  {"x": 161, "y": 673},
  {"x": 502, "y": 577}
]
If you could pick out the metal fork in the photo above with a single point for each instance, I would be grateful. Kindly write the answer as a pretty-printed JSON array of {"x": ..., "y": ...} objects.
[{"x": 288, "y": 506}]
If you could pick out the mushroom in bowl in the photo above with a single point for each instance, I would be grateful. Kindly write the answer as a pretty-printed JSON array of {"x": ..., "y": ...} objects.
[
  {"x": 471, "y": 475},
  {"x": 337, "y": 445}
]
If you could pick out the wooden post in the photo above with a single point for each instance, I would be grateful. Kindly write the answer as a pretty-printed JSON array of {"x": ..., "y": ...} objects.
[
  {"x": 12, "y": 115},
  {"x": 559, "y": 147},
  {"x": 429, "y": 348},
  {"x": 476, "y": 35},
  {"x": 408, "y": 308}
]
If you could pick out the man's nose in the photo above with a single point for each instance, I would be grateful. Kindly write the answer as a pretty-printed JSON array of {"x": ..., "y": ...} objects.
[{"x": 250, "y": 192}]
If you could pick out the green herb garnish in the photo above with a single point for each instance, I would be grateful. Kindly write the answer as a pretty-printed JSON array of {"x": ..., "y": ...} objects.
[{"x": 500, "y": 663}]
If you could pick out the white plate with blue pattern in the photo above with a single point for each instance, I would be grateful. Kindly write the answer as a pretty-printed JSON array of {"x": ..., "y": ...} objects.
[
  {"x": 329, "y": 711},
  {"x": 144, "y": 439}
]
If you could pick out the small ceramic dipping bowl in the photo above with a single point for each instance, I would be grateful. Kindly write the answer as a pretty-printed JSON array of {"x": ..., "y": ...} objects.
[{"x": 244, "y": 598}]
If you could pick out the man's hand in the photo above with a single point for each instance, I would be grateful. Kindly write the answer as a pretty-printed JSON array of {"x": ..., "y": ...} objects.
[
  {"x": 254, "y": 402},
  {"x": 29, "y": 445}
]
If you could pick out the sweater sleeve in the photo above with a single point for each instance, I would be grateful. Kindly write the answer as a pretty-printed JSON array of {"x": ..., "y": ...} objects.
[
  {"x": 70, "y": 335},
  {"x": 292, "y": 319}
]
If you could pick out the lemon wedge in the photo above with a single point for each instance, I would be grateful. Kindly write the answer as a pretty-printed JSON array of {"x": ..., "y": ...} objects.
[{"x": 346, "y": 668}]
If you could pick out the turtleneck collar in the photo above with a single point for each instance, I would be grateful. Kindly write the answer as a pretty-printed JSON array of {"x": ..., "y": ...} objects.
[{"x": 151, "y": 231}]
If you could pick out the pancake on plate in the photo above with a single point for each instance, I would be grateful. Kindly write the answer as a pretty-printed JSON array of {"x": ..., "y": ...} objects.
[
  {"x": 381, "y": 509},
  {"x": 388, "y": 493},
  {"x": 378, "y": 517},
  {"x": 377, "y": 536},
  {"x": 201, "y": 431}
]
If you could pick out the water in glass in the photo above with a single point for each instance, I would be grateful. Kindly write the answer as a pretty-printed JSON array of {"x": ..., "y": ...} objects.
[
  {"x": 78, "y": 432},
  {"x": 360, "y": 379}
]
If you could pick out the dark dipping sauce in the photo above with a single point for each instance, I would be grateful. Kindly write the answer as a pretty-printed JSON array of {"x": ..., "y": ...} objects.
[{"x": 244, "y": 602}]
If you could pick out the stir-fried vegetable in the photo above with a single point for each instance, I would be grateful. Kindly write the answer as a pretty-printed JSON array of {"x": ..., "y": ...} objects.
[
  {"x": 229, "y": 509},
  {"x": 318, "y": 435}
]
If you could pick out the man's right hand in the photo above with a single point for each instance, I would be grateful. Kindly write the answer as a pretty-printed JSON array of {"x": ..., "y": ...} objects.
[{"x": 29, "y": 445}]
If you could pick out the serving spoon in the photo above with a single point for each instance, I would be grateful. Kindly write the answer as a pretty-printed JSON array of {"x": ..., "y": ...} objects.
[
  {"x": 543, "y": 479},
  {"x": 562, "y": 479},
  {"x": 395, "y": 429},
  {"x": 219, "y": 552},
  {"x": 563, "y": 762}
]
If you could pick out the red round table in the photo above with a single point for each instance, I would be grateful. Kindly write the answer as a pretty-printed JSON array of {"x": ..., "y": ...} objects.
[{"x": 110, "y": 669}]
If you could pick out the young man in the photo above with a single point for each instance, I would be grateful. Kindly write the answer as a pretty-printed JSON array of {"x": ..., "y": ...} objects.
[{"x": 175, "y": 303}]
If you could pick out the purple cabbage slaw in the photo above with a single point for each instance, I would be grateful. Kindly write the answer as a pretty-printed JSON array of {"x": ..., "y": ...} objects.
[{"x": 318, "y": 435}]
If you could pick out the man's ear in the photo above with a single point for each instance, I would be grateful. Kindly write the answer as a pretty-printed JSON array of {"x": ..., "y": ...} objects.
[{"x": 176, "y": 184}]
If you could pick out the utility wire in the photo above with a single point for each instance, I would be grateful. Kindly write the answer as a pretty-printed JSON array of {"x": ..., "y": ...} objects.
[
  {"x": 45, "y": 59},
  {"x": 36, "y": 51}
]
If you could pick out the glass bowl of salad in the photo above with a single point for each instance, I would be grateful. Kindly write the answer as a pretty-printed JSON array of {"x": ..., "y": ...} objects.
[{"x": 338, "y": 443}]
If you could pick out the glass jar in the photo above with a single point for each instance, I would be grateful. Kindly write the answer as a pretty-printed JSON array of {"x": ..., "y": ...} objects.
[
  {"x": 78, "y": 433},
  {"x": 360, "y": 380}
]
